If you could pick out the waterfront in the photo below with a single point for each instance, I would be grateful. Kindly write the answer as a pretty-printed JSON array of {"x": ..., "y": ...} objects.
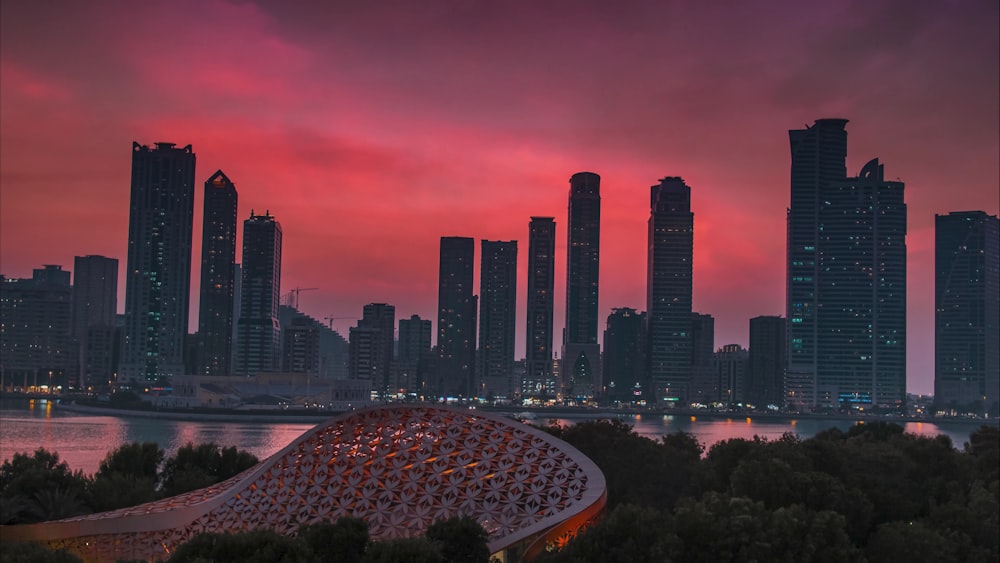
[{"x": 83, "y": 440}]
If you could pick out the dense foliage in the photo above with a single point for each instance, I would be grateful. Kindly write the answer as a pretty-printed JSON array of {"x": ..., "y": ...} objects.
[
  {"x": 873, "y": 493},
  {"x": 38, "y": 487}
]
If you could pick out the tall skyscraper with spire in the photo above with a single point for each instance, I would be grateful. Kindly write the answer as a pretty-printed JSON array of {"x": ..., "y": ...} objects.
[
  {"x": 157, "y": 283},
  {"x": 668, "y": 292},
  {"x": 539, "y": 381},
  {"x": 259, "y": 329},
  {"x": 456, "y": 329},
  {"x": 846, "y": 278},
  {"x": 497, "y": 317},
  {"x": 581, "y": 353},
  {"x": 967, "y": 312},
  {"x": 218, "y": 259}
]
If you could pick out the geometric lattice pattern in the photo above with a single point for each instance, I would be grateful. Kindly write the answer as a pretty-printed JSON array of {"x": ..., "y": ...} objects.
[{"x": 399, "y": 467}]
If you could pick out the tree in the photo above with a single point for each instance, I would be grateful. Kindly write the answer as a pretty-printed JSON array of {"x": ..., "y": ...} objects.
[
  {"x": 405, "y": 550},
  {"x": 343, "y": 541},
  {"x": 194, "y": 467},
  {"x": 37, "y": 487},
  {"x": 460, "y": 539},
  {"x": 30, "y": 552},
  {"x": 628, "y": 534},
  {"x": 258, "y": 546},
  {"x": 127, "y": 477}
]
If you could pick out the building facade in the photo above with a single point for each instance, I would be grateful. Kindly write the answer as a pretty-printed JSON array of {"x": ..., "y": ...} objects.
[
  {"x": 497, "y": 318},
  {"x": 846, "y": 278},
  {"x": 581, "y": 353},
  {"x": 413, "y": 352},
  {"x": 158, "y": 279},
  {"x": 624, "y": 357},
  {"x": 218, "y": 284},
  {"x": 768, "y": 358},
  {"x": 705, "y": 388},
  {"x": 668, "y": 291},
  {"x": 259, "y": 343},
  {"x": 967, "y": 312},
  {"x": 539, "y": 381},
  {"x": 454, "y": 372},
  {"x": 371, "y": 347},
  {"x": 95, "y": 306}
]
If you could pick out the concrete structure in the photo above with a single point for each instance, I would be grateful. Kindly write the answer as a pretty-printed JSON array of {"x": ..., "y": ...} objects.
[
  {"x": 967, "y": 312},
  {"x": 668, "y": 291},
  {"x": 218, "y": 284},
  {"x": 539, "y": 382},
  {"x": 158, "y": 278},
  {"x": 454, "y": 371},
  {"x": 581, "y": 352},
  {"x": 497, "y": 317},
  {"x": 259, "y": 344},
  {"x": 400, "y": 468}
]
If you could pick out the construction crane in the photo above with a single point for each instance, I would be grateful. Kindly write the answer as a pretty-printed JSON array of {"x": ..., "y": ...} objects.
[
  {"x": 292, "y": 297},
  {"x": 330, "y": 320}
]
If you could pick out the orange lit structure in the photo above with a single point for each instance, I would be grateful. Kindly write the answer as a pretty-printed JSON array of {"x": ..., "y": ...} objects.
[{"x": 398, "y": 467}]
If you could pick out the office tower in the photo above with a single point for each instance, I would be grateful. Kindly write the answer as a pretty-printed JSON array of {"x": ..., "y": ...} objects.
[
  {"x": 581, "y": 353},
  {"x": 158, "y": 279},
  {"x": 259, "y": 329},
  {"x": 332, "y": 347},
  {"x": 766, "y": 376},
  {"x": 218, "y": 286},
  {"x": 967, "y": 312},
  {"x": 668, "y": 291},
  {"x": 732, "y": 361},
  {"x": 95, "y": 304},
  {"x": 36, "y": 344},
  {"x": 539, "y": 381},
  {"x": 624, "y": 357},
  {"x": 300, "y": 346},
  {"x": 846, "y": 277},
  {"x": 413, "y": 350},
  {"x": 371, "y": 345},
  {"x": 497, "y": 316},
  {"x": 456, "y": 340},
  {"x": 705, "y": 388}
]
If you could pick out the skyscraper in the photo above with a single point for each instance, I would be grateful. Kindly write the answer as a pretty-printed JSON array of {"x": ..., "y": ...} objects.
[
  {"x": 95, "y": 304},
  {"x": 370, "y": 348},
  {"x": 414, "y": 349},
  {"x": 36, "y": 346},
  {"x": 497, "y": 316},
  {"x": 846, "y": 287},
  {"x": 538, "y": 379},
  {"x": 581, "y": 353},
  {"x": 668, "y": 291},
  {"x": 218, "y": 287},
  {"x": 259, "y": 341},
  {"x": 456, "y": 340},
  {"x": 967, "y": 312},
  {"x": 705, "y": 387},
  {"x": 765, "y": 385},
  {"x": 624, "y": 357},
  {"x": 157, "y": 283}
]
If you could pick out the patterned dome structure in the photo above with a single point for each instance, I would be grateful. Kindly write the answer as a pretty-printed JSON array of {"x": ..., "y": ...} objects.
[{"x": 400, "y": 468}]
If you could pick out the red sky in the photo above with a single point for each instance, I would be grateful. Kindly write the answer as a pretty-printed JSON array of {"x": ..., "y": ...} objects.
[{"x": 371, "y": 129}]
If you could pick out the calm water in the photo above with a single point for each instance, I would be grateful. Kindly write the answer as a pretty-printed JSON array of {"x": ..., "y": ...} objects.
[{"x": 84, "y": 440}]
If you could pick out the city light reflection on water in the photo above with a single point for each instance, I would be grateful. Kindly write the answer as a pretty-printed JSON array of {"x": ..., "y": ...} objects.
[{"x": 84, "y": 440}]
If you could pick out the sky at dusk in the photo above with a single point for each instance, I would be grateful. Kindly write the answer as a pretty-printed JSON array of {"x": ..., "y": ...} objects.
[{"x": 371, "y": 129}]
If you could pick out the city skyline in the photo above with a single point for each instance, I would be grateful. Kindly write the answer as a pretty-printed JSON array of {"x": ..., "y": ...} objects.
[{"x": 365, "y": 194}]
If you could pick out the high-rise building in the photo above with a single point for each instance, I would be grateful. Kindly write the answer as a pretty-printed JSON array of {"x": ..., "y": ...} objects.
[
  {"x": 218, "y": 286},
  {"x": 846, "y": 277},
  {"x": 259, "y": 328},
  {"x": 967, "y": 312},
  {"x": 371, "y": 345},
  {"x": 331, "y": 347},
  {"x": 766, "y": 376},
  {"x": 456, "y": 340},
  {"x": 539, "y": 381},
  {"x": 497, "y": 316},
  {"x": 157, "y": 283},
  {"x": 624, "y": 357},
  {"x": 300, "y": 350},
  {"x": 668, "y": 291},
  {"x": 413, "y": 351},
  {"x": 731, "y": 363},
  {"x": 95, "y": 304},
  {"x": 581, "y": 353},
  {"x": 705, "y": 387},
  {"x": 36, "y": 344}
]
